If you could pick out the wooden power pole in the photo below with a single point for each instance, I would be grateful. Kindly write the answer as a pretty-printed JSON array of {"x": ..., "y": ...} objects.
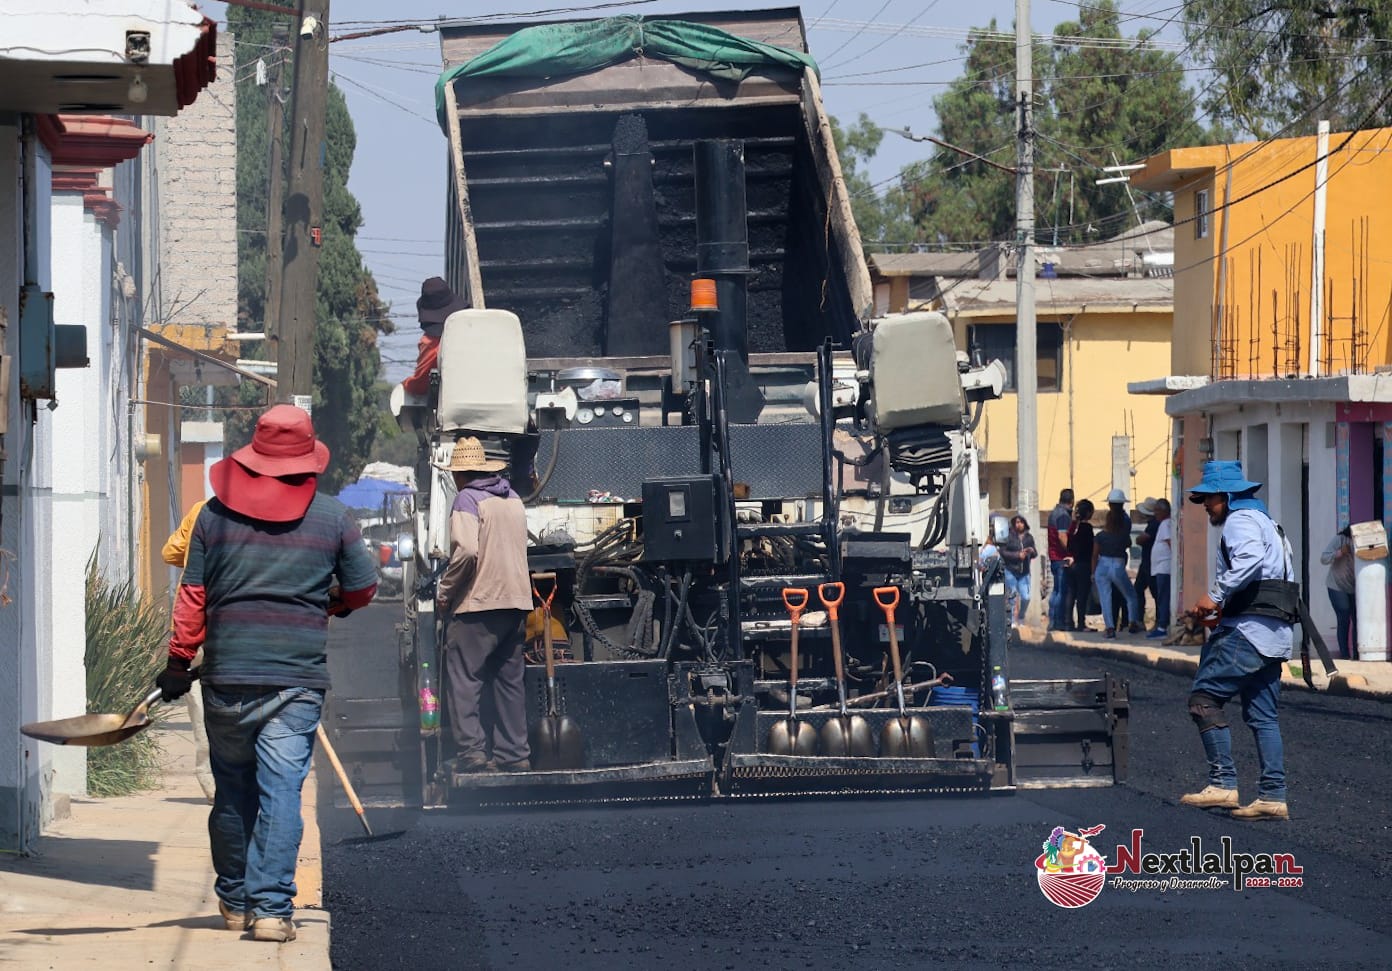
[
  {"x": 304, "y": 206},
  {"x": 275, "y": 193},
  {"x": 1026, "y": 360}
]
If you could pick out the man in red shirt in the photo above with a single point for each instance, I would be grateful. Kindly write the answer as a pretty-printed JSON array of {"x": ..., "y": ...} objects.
[
  {"x": 437, "y": 301},
  {"x": 1060, "y": 525},
  {"x": 269, "y": 558}
]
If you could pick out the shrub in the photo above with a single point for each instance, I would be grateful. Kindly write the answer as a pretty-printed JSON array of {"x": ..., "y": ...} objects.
[{"x": 126, "y": 637}]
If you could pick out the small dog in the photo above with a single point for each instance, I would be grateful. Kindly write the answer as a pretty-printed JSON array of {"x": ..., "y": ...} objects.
[{"x": 1188, "y": 631}]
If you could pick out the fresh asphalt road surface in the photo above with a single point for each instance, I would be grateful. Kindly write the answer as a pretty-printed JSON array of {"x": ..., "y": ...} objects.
[{"x": 881, "y": 884}]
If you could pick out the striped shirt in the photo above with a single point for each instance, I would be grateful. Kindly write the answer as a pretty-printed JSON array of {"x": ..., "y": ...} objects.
[{"x": 266, "y": 588}]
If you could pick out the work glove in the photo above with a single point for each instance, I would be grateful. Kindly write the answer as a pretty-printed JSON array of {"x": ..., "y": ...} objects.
[{"x": 175, "y": 680}]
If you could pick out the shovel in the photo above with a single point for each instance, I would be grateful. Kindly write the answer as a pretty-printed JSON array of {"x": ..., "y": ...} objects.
[
  {"x": 845, "y": 735},
  {"x": 905, "y": 737},
  {"x": 790, "y": 736},
  {"x": 556, "y": 740},
  {"x": 94, "y": 731}
]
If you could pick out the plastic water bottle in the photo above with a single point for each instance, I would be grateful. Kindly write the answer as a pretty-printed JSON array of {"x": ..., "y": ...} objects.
[
  {"x": 429, "y": 703},
  {"x": 998, "y": 689}
]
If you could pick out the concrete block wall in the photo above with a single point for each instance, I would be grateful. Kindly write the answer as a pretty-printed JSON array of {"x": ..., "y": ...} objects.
[{"x": 196, "y": 159}]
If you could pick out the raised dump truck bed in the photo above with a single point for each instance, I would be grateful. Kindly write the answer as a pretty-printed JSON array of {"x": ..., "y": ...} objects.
[{"x": 536, "y": 155}]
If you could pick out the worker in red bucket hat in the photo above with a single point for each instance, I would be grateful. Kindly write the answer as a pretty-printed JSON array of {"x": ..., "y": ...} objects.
[{"x": 269, "y": 559}]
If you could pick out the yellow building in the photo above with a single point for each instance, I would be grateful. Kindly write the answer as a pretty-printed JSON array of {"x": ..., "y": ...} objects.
[
  {"x": 1283, "y": 292},
  {"x": 1100, "y": 325},
  {"x": 1093, "y": 334}
]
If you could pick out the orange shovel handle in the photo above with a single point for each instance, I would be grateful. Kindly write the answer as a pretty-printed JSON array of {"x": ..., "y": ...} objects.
[
  {"x": 795, "y": 599},
  {"x": 888, "y": 599},
  {"x": 546, "y": 600},
  {"x": 828, "y": 602}
]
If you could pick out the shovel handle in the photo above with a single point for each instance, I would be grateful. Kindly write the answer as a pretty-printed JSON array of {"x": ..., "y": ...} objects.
[
  {"x": 831, "y": 605},
  {"x": 795, "y": 599},
  {"x": 342, "y": 775},
  {"x": 546, "y": 600},
  {"x": 888, "y": 599}
]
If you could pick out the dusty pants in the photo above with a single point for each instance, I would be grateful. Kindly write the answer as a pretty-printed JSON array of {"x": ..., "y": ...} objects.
[{"x": 483, "y": 652}]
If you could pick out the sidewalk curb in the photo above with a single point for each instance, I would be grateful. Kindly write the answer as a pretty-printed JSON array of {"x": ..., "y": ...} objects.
[{"x": 1162, "y": 659}]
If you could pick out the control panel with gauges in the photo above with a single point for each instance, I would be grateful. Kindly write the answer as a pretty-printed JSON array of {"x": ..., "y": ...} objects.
[{"x": 607, "y": 413}]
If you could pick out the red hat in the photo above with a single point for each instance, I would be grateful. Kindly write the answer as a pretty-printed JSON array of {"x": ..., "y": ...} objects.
[{"x": 274, "y": 478}]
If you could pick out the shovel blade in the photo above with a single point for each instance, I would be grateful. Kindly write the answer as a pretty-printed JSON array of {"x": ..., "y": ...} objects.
[
  {"x": 847, "y": 736},
  {"x": 90, "y": 730},
  {"x": 906, "y": 738},
  {"x": 792, "y": 737},
  {"x": 557, "y": 743}
]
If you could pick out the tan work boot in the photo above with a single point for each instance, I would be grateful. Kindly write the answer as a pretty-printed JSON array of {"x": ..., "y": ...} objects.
[
  {"x": 233, "y": 920},
  {"x": 1212, "y": 797},
  {"x": 276, "y": 929},
  {"x": 1262, "y": 809}
]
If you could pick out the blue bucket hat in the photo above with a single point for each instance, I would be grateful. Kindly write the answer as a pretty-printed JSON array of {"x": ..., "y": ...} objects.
[{"x": 1225, "y": 477}]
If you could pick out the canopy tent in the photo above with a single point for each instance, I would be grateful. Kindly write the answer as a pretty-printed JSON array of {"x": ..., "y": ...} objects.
[{"x": 367, "y": 494}]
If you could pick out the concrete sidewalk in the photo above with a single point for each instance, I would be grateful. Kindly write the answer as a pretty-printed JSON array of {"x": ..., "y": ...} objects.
[
  {"x": 1361, "y": 679},
  {"x": 128, "y": 882}
]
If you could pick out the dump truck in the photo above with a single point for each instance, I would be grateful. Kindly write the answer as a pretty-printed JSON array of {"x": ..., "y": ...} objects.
[{"x": 672, "y": 341}]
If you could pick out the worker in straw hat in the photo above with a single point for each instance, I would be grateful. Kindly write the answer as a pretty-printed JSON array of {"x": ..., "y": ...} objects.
[
  {"x": 486, "y": 593},
  {"x": 264, "y": 557}
]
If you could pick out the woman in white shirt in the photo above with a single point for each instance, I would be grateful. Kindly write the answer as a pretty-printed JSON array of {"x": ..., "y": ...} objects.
[{"x": 1161, "y": 565}]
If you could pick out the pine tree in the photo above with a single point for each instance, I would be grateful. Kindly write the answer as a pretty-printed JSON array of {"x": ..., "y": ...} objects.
[
  {"x": 349, "y": 313},
  {"x": 1094, "y": 105},
  {"x": 1282, "y": 67}
]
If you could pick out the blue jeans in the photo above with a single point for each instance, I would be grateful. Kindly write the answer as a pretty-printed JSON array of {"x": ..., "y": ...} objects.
[
  {"x": 1230, "y": 666},
  {"x": 1111, "y": 578},
  {"x": 260, "y": 741},
  {"x": 1059, "y": 595},
  {"x": 1162, "y": 600},
  {"x": 1017, "y": 592},
  {"x": 1347, "y": 618}
]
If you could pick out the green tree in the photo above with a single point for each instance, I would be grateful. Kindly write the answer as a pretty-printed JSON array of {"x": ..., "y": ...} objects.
[
  {"x": 959, "y": 198},
  {"x": 1094, "y": 104},
  {"x": 1281, "y": 67},
  {"x": 349, "y": 313},
  {"x": 882, "y": 218}
]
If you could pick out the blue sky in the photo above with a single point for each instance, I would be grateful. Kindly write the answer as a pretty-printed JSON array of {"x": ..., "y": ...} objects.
[{"x": 884, "y": 58}]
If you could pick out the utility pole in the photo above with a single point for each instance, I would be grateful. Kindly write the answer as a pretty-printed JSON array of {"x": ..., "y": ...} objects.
[
  {"x": 304, "y": 206},
  {"x": 275, "y": 193},
  {"x": 1026, "y": 361}
]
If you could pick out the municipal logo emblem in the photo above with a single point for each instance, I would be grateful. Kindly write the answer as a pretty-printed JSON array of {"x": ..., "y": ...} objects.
[{"x": 1070, "y": 872}]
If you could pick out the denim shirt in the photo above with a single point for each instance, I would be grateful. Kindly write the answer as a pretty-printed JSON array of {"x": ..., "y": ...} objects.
[{"x": 1255, "y": 552}]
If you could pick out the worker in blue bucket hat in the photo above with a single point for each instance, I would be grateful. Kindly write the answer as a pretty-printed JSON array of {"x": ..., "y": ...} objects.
[{"x": 1252, "y": 602}]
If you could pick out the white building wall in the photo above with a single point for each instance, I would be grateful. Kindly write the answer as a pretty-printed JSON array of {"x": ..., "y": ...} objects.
[
  {"x": 26, "y": 766},
  {"x": 14, "y": 811},
  {"x": 78, "y": 430},
  {"x": 1273, "y": 442}
]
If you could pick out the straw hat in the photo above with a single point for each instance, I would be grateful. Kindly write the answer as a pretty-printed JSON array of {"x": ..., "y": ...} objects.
[
  {"x": 468, "y": 456},
  {"x": 1147, "y": 506},
  {"x": 274, "y": 478}
]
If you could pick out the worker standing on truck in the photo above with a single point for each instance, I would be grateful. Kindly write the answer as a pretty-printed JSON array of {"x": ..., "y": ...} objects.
[
  {"x": 486, "y": 593},
  {"x": 256, "y": 595},
  {"x": 436, "y": 302},
  {"x": 1253, "y": 601}
]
